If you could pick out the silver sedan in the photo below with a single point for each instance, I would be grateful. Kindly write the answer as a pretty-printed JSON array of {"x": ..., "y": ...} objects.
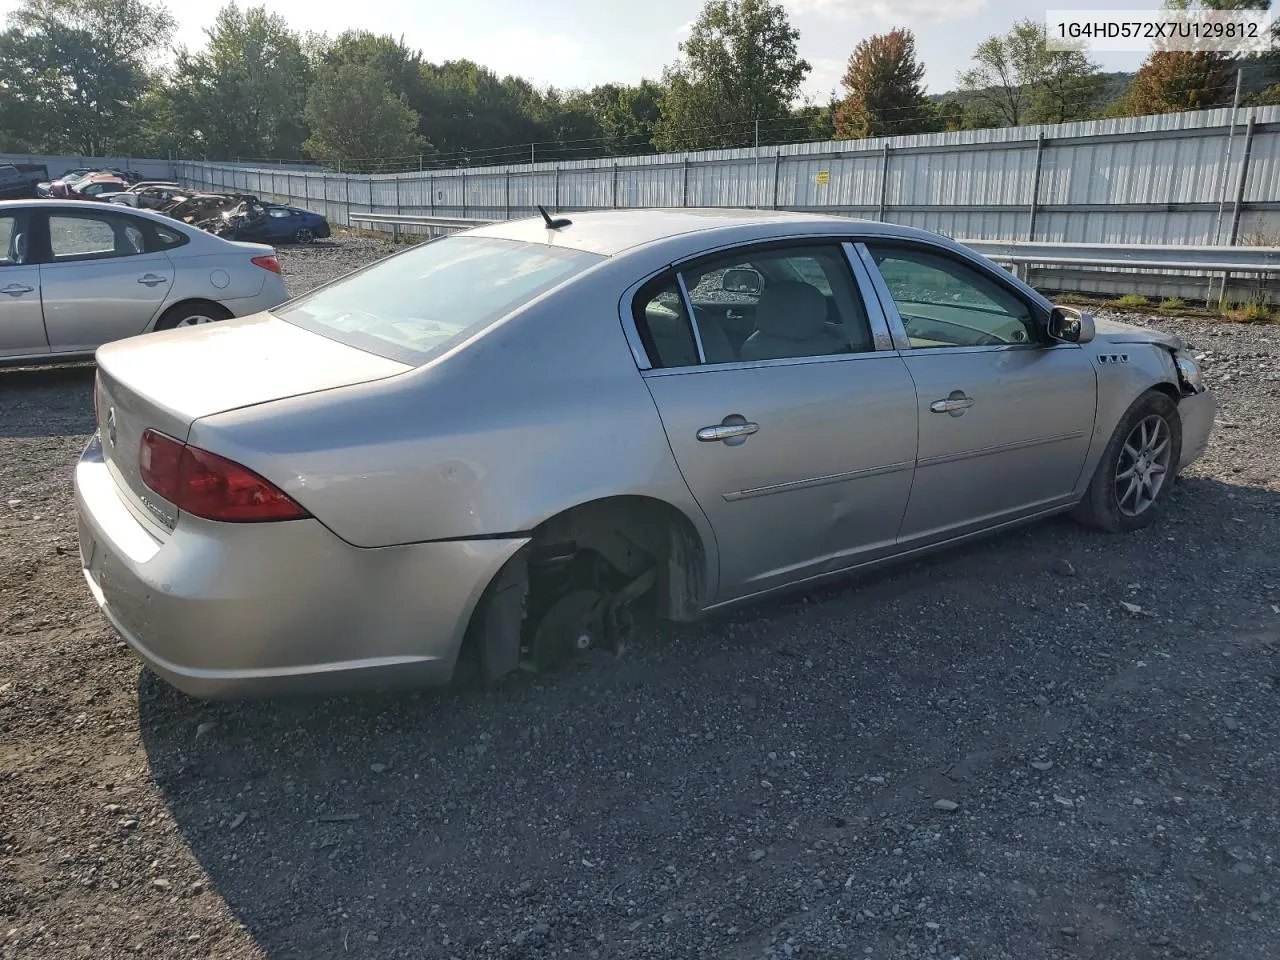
[
  {"x": 505, "y": 446},
  {"x": 74, "y": 276}
]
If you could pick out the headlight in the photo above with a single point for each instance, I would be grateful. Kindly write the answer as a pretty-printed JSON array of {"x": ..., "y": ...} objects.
[{"x": 1189, "y": 373}]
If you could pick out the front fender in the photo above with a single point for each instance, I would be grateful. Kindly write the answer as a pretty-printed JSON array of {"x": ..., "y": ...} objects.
[{"x": 1125, "y": 372}]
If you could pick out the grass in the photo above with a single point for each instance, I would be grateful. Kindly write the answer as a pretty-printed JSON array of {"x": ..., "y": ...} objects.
[
  {"x": 1173, "y": 303},
  {"x": 1250, "y": 312},
  {"x": 1132, "y": 301}
]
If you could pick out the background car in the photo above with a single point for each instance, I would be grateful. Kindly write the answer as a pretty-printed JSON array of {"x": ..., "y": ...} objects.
[
  {"x": 522, "y": 436},
  {"x": 97, "y": 188},
  {"x": 14, "y": 185},
  {"x": 74, "y": 276},
  {"x": 48, "y": 188},
  {"x": 276, "y": 223},
  {"x": 147, "y": 195}
]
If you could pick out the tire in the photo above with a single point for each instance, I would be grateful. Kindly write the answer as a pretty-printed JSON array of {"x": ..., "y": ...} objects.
[
  {"x": 1148, "y": 438},
  {"x": 191, "y": 314},
  {"x": 304, "y": 235}
]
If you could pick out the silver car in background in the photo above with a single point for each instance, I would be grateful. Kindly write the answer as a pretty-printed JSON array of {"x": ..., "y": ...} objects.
[
  {"x": 74, "y": 276},
  {"x": 512, "y": 442}
]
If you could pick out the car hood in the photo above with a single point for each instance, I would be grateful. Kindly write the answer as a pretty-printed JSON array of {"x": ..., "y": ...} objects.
[{"x": 1112, "y": 331}]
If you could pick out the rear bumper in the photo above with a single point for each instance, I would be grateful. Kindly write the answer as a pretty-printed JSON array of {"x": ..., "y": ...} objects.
[
  {"x": 272, "y": 294},
  {"x": 235, "y": 610},
  {"x": 1197, "y": 413}
]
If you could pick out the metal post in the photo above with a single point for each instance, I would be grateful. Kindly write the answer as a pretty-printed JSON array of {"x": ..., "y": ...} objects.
[
  {"x": 884, "y": 181},
  {"x": 777, "y": 162},
  {"x": 1035, "y": 188},
  {"x": 397, "y": 183},
  {"x": 371, "y": 210},
  {"x": 1226, "y": 163},
  {"x": 464, "y": 193},
  {"x": 756, "y": 177},
  {"x": 508, "y": 195},
  {"x": 615, "y": 186},
  {"x": 346, "y": 192},
  {"x": 532, "y": 148},
  {"x": 557, "y": 188},
  {"x": 1240, "y": 182},
  {"x": 684, "y": 187},
  {"x": 431, "y": 187}
]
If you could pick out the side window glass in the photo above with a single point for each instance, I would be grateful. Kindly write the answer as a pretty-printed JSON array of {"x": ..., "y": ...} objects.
[
  {"x": 74, "y": 237},
  {"x": 13, "y": 242},
  {"x": 663, "y": 324},
  {"x": 946, "y": 303},
  {"x": 777, "y": 304},
  {"x": 167, "y": 238}
]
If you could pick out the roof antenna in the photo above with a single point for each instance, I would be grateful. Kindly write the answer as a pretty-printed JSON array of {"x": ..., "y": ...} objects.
[{"x": 555, "y": 224}]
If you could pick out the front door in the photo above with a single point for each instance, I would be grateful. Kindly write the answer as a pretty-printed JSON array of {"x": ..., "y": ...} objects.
[
  {"x": 21, "y": 320},
  {"x": 100, "y": 282},
  {"x": 1005, "y": 415},
  {"x": 799, "y": 440}
]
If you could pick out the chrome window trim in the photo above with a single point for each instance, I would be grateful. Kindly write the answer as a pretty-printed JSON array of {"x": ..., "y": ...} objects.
[
  {"x": 888, "y": 305},
  {"x": 881, "y": 335},
  {"x": 760, "y": 364}
]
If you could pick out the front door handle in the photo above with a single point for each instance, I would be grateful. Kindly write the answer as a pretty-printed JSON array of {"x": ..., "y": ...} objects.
[
  {"x": 956, "y": 404},
  {"x": 728, "y": 431},
  {"x": 16, "y": 289},
  {"x": 150, "y": 279}
]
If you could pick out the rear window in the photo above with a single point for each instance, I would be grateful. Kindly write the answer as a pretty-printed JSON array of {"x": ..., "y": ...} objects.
[{"x": 418, "y": 304}]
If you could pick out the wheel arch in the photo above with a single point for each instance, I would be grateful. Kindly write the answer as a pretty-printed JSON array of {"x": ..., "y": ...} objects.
[{"x": 186, "y": 303}]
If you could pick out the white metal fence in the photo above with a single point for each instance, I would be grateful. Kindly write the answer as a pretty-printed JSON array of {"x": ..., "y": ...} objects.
[{"x": 1195, "y": 178}]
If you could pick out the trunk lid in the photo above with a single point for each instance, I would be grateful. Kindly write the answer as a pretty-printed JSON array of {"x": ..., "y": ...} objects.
[{"x": 167, "y": 380}]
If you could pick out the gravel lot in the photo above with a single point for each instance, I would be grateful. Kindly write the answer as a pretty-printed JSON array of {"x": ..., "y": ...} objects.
[{"x": 985, "y": 755}]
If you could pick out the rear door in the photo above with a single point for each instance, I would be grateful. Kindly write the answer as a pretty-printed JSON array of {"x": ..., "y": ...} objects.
[
  {"x": 1005, "y": 414},
  {"x": 799, "y": 442},
  {"x": 21, "y": 320},
  {"x": 101, "y": 279}
]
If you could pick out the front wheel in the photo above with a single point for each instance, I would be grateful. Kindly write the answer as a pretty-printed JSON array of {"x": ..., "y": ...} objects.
[{"x": 1136, "y": 472}]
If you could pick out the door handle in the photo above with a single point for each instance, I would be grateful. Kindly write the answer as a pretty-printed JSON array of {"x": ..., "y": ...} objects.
[
  {"x": 956, "y": 404},
  {"x": 732, "y": 314},
  {"x": 150, "y": 279},
  {"x": 727, "y": 431},
  {"x": 16, "y": 289}
]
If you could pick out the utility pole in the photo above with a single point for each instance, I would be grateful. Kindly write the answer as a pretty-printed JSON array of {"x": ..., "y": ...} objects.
[
  {"x": 1226, "y": 161},
  {"x": 532, "y": 148}
]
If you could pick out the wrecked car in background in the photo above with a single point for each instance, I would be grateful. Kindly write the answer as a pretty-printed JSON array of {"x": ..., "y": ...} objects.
[
  {"x": 270, "y": 223},
  {"x": 148, "y": 195}
]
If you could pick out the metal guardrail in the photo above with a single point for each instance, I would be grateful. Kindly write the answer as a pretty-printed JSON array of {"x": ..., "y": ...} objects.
[{"x": 1198, "y": 264}]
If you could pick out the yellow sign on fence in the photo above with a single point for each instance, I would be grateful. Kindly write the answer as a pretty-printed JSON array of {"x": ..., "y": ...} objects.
[{"x": 824, "y": 176}]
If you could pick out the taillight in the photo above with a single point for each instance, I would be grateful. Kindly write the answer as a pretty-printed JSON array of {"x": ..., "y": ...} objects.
[
  {"x": 268, "y": 261},
  {"x": 210, "y": 486}
]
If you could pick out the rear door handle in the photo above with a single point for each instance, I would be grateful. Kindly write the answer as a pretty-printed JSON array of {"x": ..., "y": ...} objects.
[
  {"x": 727, "y": 431},
  {"x": 956, "y": 404},
  {"x": 16, "y": 289},
  {"x": 732, "y": 314},
  {"x": 150, "y": 279}
]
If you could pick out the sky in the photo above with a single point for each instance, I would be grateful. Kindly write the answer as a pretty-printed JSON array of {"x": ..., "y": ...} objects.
[{"x": 579, "y": 43}]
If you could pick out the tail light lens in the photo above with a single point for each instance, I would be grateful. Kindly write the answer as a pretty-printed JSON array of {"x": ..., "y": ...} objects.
[
  {"x": 268, "y": 261},
  {"x": 209, "y": 486}
]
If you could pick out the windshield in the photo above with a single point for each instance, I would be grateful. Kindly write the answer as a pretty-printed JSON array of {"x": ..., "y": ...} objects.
[{"x": 416, "y": 305}]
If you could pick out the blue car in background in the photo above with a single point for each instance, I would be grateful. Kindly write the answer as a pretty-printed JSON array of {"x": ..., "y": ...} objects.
[{"x": 272, "y": 223}]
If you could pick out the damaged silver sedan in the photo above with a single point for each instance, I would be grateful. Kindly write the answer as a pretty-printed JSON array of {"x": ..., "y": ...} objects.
[{"x": 504, "y": 447}]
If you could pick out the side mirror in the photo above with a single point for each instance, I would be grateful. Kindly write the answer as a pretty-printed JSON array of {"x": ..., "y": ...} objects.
[
  {"x": 741, "y": 281},
  {"x": 1070, "y": 325}
]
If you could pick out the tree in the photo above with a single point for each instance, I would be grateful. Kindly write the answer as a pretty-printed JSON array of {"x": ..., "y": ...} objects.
[
  {"x": 883, "y": 94},
  {"x": 739, "y": 68},
  {"x": 76, "y": 66},
  {"x": 354, "y": 114},
  {"x": 245, "y": 92},
  {"x": 1018, "y": 79},
  {"x": 1173, "y": 80}
]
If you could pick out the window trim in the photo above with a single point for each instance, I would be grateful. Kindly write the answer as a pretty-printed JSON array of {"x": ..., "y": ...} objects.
[{"x": 890, "y": 306}]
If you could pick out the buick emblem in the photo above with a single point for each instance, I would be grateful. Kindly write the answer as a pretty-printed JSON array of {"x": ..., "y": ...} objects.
[{"x": 111, "y": 426}]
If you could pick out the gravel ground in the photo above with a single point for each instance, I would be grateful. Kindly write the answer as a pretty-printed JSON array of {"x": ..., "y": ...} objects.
[{"x": 1053, "y": 744}]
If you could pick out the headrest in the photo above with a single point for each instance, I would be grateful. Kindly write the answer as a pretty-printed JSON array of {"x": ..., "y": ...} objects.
[{"x": 791, "y": 310}]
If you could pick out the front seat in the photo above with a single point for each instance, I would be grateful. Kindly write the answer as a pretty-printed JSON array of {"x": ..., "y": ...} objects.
[{"x": 791, "y": 321}]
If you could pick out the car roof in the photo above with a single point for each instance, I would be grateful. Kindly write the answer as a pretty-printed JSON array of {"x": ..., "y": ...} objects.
[{"x": 610, "y": 232}]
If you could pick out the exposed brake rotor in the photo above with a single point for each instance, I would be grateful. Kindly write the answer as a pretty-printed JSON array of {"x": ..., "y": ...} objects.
[{"x": 571, "y": 626}]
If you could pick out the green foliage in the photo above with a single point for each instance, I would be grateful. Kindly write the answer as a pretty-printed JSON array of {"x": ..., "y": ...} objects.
[
  {"x": 72, "y": 69},
  {"x": 1251, "y": 312},
  {"x": 1132, "y": 301},
  {"x": 883, "y": 94},
  {"x": 1173, "y": 303},
  {"x": 739, "y": 67},
  {"x": 1018, "y": 79},
  {"x": 353, "y": 113},
  {"x": 244, "y": 94}
]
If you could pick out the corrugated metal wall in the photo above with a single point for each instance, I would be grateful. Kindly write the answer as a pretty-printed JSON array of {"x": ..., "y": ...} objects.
[{"x": 1156, "y": 179}]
